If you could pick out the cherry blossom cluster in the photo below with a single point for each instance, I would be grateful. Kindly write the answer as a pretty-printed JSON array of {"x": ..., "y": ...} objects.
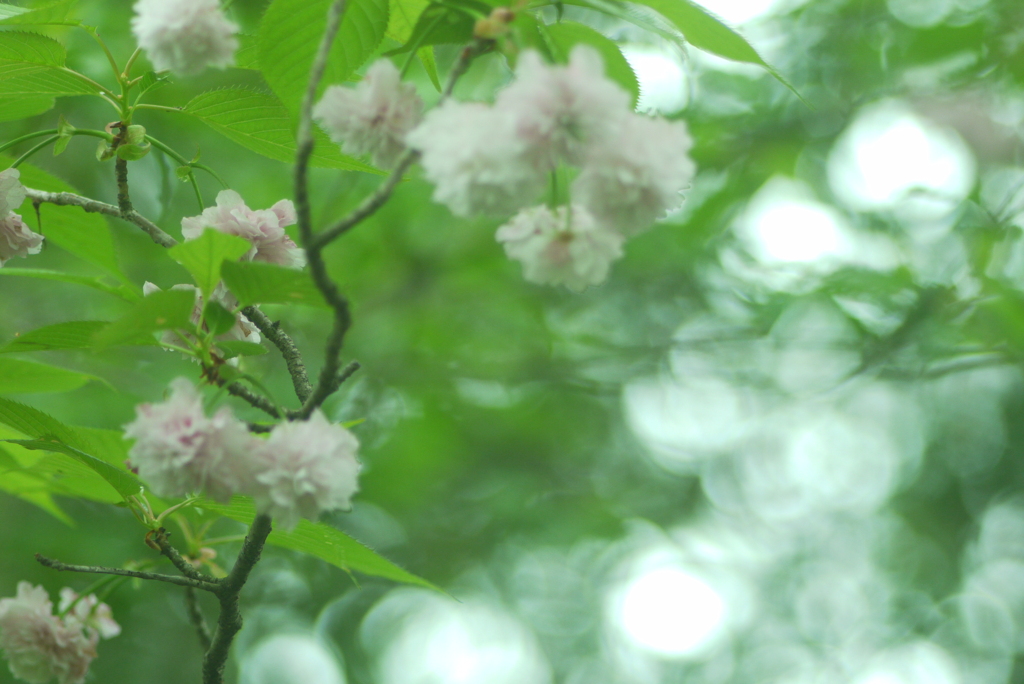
[
  {"x": 302, "y": 469},
  {"x": 40, "y": 646},
  {"x": 185, "y": 36},
  {"x": 16, "y": 239},
  {"x": 264, "y": 229},
  {"x": 630, "y": 169}
]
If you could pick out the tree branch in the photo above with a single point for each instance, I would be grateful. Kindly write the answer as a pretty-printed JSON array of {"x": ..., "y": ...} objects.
[
  {"x": 317, "y": 267},
  {"x": 205, "y": 585},
  {"x": 69, "y": 199},
  {"x": 183, "y": 566},
  {"x": 230, "y": 621},
  {"x": 195, "y": 616},
  {"x": 375, "y": 201},
  {"x": 284, "y": 343}
]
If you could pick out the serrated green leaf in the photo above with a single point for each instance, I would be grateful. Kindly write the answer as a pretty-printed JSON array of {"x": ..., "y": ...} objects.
[
  {"x": 123, "y": 291},
  {"x": 25, "y": 377},
  {"x": 290, "y": 33},
  {"x": 163, "y": 310},
  {"x": 233, "y": 348},
  {"x": 31, "y": 48},
  {"x": 61, "y": 12},
  {"x": 85, "y": 235},
  {"x": 21, "y": 79},
  {"x": 323, "y": 542},
  {"x": 69, "y": 335},
  {"x": 123, "y": 482},
  {"x": 402, "y": 17},
  {"x": 152, "y": 81},
  {"x": 202, "y": 257},
  {"x": 567, "y": 34},
  {"x": 259, "y": 122},
  {"x": 84, "y": 445},
  {"x": 254, "y": 282},
  {"x": 218, "y": 319}
]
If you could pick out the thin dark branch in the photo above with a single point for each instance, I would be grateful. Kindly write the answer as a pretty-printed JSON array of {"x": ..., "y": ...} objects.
[
  {"x": 195, "y": 616},
  {"x": 124, "y": 200},
  {"x": 383, "y": 193},
  {"x": 258, "y": 401},
  {"x": 369, "y": 205},
  {"x": 69, "y": 199},
  {"x": 177, "y": 560},
  {"x": 230, "y": 620},
  {"x": 347, "y": 373},
  {"x": 317, "y": 267},
  {"x": 284, "y": 343},
  {"x": 205, "y": 585}
]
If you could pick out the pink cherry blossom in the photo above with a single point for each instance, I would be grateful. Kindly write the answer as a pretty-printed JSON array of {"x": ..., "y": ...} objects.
[
  {"x": 243, "y": 329},
  {"x": 477, "y": 164},
  {"x": 40, "y": 646},
  {"x": 178, "y": 450},
  {"x": 306, "y": 468},
  {"x": 563, "y": 112},
  {"x": 17, "y": 239},
  {"x": 639, "y": 176},
  {"x": 185, "y": 36},
  {"x": 562, "y": 247},
  {"x": 264, "y": 228},
  {"x": 373, "y": 117}
]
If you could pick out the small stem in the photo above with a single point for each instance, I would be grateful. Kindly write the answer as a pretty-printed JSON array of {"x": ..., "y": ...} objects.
[
  {"x": 195, "y": 615},
  {"x": 110, "y": 57},
  {"x": 158, "y": 108},
  {"x": 96, "y": 569},
  {"x": 70, "y": 199},
  {"x": 184, "y": 162},
  {"x": 172, "y": 554},
  {"x": 30, "y": 136},
  {"x": 17, "y": 162},
  {"x": 131, "y": 62}
]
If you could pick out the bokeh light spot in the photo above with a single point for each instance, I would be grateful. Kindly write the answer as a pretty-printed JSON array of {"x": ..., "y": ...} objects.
[{"x": 671, "y": 612}]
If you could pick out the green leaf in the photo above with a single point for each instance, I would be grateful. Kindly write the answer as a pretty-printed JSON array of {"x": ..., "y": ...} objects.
[
  {"x": 426, "y": 57},
  {"x": 254, "y": 282},
  {"x": 132, "y": 152},
  {"x": 31, "y": 48},
  {"x": 123, "y": 482},
  {"x": 49, "y": 434},
  {"x": 69, "y": 335},
  {"x": 61, "y": 12},
  {"x": 23, "y": 107},
  {"x": 247, "y": 56},
  {"x": 123, "y": 291},
  {"x": 202, "y": 257},
  {"x": 85, "y": 235},
  {"x": 259, "y": 122},
  {"x": 218, "y": 319},
  {"x": 24, "y": 377},
  {"x": 22, "y": 79},
  {"x": 705, "y": 31},
  {"x": 323, "y": 542},
  {"x": 159, "y": 311},
  {"x": 444, "y": 24},
  {"x": 233, "y": 348},
  {"x": 567, "y": 34},
  {"x": 402, "y": 17},
  {"x": 290, "y": 33}
]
